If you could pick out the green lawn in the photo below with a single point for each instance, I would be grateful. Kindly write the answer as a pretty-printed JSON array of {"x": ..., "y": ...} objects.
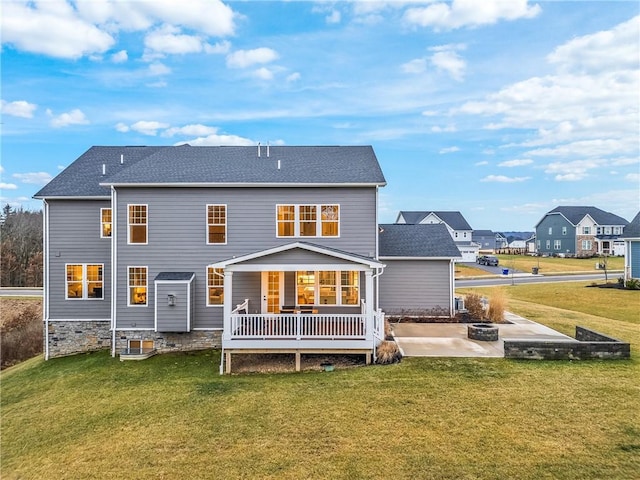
[{"x": 173, "y": 416}]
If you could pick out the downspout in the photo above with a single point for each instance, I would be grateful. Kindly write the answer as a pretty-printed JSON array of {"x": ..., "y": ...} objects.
[
  {"x": 114, "y": 267},
  {"x": 45, "y": 278}
]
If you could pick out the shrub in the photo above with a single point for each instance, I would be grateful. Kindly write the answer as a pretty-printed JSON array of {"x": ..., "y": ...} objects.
[
  {"x": 473, "y": 304},
  {"x": 633, "y": 284},
  {"x": 497, "y": 306},
  {"x": 388, "y": 352},
  {"x": 21, "y": 336}
]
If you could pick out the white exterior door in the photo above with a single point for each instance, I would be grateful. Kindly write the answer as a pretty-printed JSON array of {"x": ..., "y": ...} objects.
[{"x": 272, "y": 291}]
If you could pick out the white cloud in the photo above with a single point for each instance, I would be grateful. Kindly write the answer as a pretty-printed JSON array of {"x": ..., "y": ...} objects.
[
  {"x": 294, "y": 77},
  {"x": 18, "y": 108},
  {"x": 74, "y": 117},
  {"x": 158, "y": 69},
  {"x": 632, "y": 177},
  {"x": 215, "y": 140},
  {"x": 469, "y": 13},
  {"x": 120, "y": 57},
  {"x": 447, "y": 60},
  {"x": 504, "y": 179},
  {"x": 480, "y": 164},
  {"x": 169, "y": 40},
  {"x": 247, "y": 58},
  {"x": 334, "y": 17},
  {"x": 515, "y": 163},
  {"x": 122, "y": 128},
  {"x": 263, "y": 73},
  {"x": 191, "y": 130},
  {"x": 34, "y": 178},
  {"x": 8, "y": 186},
  {"x": 447, "y": 129},
  {"x": 417, "y": 65},
  {"x": 64, "y": 29},
  {"x": 449, "y": 150},
  {"x": 148, "y": 127},
  {"x": 220, "y": 47}
]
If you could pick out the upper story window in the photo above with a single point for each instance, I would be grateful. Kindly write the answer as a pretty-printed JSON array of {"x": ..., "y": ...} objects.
[
  {"x": 564, "y": 230},
  {"x": 586, "y": 230},
  {"x": 137, "y": 286},
  {"x": 607, "y": 230},
  {"x": 308, "y": 220},
  {"x": 105, "y": 222},
  {"x": 84, "y": 281},
  {"x": 550, "y": 230},
  {"x": 215, "y": 286},
  {"x": 216, "y": 224},
  {"x": 617, "y": 230},
  {"x": 138, "y": 224},
  {"x": 598, "y": 230}
]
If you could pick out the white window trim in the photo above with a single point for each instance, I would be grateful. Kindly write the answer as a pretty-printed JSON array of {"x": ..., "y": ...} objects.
[
  {"x": 338, "y": 285},
  {"x": 206, "y": 289},
  {"x": 146, "y": 239},
  {"x": 557, "y": 245},
  {"x": 564, "y": 230},
  {"x": 102, "y": 223},
  {"x": 296, "y": 221},
  {"x": 226, "y": 221},
  {"x": 129, "y": 304},
  {"x": 85, "y": 282}
]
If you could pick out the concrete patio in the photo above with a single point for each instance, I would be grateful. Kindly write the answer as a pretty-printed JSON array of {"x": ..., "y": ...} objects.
[{"x": 450, "y": 339}]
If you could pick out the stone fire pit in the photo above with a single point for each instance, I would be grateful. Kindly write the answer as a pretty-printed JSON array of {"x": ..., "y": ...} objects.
[{"x": 483, "y": 332}]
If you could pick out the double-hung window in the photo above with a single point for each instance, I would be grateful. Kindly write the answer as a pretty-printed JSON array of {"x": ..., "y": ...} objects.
[
  {"x": 138, "y": 224},
  {"x": 105, "y": 222},
  {"x": 586, "y": 244},
  {"x": 320, "y": 220},
  {"x": 556, "y": 244},
  {"x": 215, "y": 286},
  {"x": 216, "y": 224},
  {"x": 586, "y": 230},
  {"x": 137, "y": 286},
  {"x": 84, "y": 281}
]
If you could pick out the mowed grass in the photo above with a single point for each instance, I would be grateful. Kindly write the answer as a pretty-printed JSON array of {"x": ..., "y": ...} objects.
[
  {"x": 554, "y": 265},
  {"x": 173, "y": 416}
]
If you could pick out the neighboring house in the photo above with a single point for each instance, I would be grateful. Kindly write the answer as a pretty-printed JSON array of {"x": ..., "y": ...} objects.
[
  {"x": 459, "y": 229},
  {"x": 180, "y": 248},
  {"x": 531, "y": 244},
  {"x": 488, "y": 241},
  {"x": 419, "y": 274},
  {"x": 631, "y": 238},
  {"x": 579, "y": 231},
  {"x": 518, "y": 245}
]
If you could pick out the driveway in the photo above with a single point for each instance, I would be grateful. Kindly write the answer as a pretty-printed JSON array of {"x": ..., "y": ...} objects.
[{"x": 450, "y": 339}]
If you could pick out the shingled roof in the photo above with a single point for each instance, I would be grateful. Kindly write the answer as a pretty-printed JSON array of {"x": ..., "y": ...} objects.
[
  {"x": 455, "y": 220},
  {"x": 633, "y": 229},
  {"x": 284, "y": 165},
  {"x": 416, "y": 241},
  {"x": 574, "y": 214}
]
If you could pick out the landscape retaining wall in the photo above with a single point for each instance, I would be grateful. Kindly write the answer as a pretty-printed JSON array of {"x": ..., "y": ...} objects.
[{"x": 588, "y": 345}]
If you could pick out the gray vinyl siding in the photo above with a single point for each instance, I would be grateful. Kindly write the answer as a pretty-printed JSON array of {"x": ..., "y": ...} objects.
[
  {"x": 634, "y": 252},
  {"x": 246, "y": 285},
  {"x": 172, "y": 318},
  {"x": 414, "y": 285},
  {"x": 177, "y": 237},
  {"x": 74, "y": 238},
  {"x": 556, "y": 223}
]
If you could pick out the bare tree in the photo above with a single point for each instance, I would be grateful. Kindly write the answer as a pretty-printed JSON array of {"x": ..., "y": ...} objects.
[{"x": 20, "y": 247}]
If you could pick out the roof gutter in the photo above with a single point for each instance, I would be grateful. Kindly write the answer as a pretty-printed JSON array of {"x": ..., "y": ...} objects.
[{"x": 237, "y": 185}]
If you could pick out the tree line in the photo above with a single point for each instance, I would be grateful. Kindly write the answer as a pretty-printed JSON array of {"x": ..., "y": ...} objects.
[{"x": 20, "y": 247}]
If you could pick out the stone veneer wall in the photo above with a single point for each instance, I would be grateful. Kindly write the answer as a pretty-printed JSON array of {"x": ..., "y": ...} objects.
[
  {"x": 71, "y": 337},
  {"x": 172, "y": 342},
  {"x": 586, "y": 253}
]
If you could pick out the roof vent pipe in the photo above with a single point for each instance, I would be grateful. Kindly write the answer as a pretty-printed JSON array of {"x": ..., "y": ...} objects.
[
  {"x": 267, "y": 149},
  {"x": 258, "y": 149},
  {"x": 278, "y": 164},
  {"x": 121, "y": 159},
  {"x": 104, "y": 169}
]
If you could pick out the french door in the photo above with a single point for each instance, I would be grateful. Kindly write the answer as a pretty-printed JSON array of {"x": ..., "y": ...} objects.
[{"x": 272, "y": 291}]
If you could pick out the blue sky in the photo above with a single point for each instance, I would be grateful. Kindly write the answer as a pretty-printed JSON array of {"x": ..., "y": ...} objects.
[{"x": 499, "y": 109}]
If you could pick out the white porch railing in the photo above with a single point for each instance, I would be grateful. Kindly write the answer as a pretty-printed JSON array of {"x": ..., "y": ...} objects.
[{"x": 298, "y": 326}]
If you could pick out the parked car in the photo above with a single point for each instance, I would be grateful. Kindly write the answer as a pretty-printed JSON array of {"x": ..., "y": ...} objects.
[{"x": 488, "y": 260}]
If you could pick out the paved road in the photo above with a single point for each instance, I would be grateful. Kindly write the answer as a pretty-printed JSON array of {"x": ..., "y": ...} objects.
[{"x": 524, "y": 278}]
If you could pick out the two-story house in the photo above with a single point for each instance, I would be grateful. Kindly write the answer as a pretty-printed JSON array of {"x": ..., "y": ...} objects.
[
  {"x": 580, "y": 231},
  {"x": 458, "y": 227},
  {"x": 631, "y": 237}
]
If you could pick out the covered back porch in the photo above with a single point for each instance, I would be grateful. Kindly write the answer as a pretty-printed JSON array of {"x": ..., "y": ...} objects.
[{"x": 311, "y": 300}]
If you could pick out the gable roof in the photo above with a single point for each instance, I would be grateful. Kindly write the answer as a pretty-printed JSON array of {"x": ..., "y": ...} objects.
[
  {"x": 416, "y": 241},
  {"x": 574, "y": 214},
  {"x": 483, "y": 233},
  {"x": 287, "y": 166},
  {"x": 82, "y": 178},
  {"x": 455, "y": 220},
  {"x": 633, "y": 229}
]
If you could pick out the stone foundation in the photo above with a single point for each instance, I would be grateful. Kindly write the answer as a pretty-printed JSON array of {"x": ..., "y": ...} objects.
[
  {"x": 71, "y": 337},
  {"x": 165, "y": 342}
]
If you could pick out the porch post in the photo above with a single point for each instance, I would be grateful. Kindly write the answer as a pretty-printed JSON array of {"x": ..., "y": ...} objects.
[
  {"x": 228, "y": 302},
  {"x": 369, "y": 303}
]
